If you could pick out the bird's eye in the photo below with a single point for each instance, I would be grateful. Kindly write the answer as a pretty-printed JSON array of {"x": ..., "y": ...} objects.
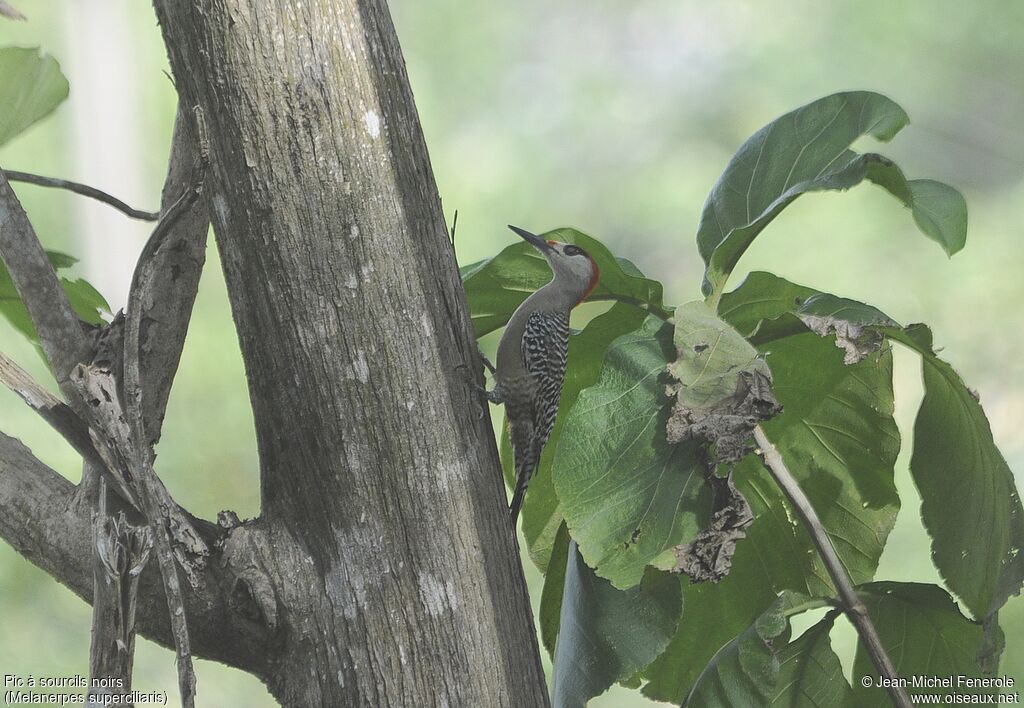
[{"x": 571, "y": 250}]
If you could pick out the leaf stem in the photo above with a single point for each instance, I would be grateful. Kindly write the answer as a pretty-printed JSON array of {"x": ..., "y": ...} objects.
[{"x": 849, "y": 601}]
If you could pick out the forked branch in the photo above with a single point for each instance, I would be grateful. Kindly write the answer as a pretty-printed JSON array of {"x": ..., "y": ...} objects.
[{"x": 850, "y": 602}]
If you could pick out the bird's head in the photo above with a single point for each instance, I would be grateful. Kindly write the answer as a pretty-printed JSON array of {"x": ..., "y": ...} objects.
[{"x": 574, "y": 269}]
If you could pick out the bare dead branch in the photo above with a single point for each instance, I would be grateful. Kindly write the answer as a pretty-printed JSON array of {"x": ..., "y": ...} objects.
[
  {"x": 123, "y": 446},
  {"x": 850, "y": 602},
  {"x": 62, "y": 419},
  {"x": 175, "y": 270},
  {"x": 121, "y": 552},
  {"x": 60, "y": 330},
  {"x": 83, "y": 189},
  {"x": 156, "y": 508},
  {"x": 40, "y": 520}
]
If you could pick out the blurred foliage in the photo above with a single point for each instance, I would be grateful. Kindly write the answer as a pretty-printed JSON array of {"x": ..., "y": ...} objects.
[
  {"x": 31, "y": 86},
  {"x": 615, "y": 117}
]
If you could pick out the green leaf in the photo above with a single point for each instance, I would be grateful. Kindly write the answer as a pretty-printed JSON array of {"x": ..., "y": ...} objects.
[
  {"x": 15, "y": 312},
  {"x": 837, "y": 433},
  {"x": 60, "y": 260},
  {"x": 940, "y": 212},
  {"x": 626, "y": 494},
  {"x": 497, "y": 286},
  {"x": 925, "y": 635},
  {"x": 554, "y": 586},
  {"x": 31, "y": 86},
  {"x": 761, "y": 299},
  {"x": 810, "y": 675},
  {"x": 541, "y": 512},
  {"x": 761, "y": 667},
  {"x": 606, "y": 635},
  {"x": 770, "y": 559},
  {"x": 85, "y": 300},
  {"x": 969, "y": 500},
  {"x": 808, "y": 150},
  {"x": 744, "y": 671},
  {"x": 838, "y": 436}
]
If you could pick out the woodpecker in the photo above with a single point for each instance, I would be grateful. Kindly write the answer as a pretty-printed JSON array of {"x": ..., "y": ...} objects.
[{"x": 532, "y": 355}]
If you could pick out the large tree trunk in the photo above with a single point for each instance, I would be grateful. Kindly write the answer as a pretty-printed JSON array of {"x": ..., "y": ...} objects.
[{"x": 383, "y": 563}]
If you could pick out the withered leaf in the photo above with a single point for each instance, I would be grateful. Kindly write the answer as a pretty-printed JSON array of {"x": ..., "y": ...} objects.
[
  {"x": 853, "y": 323},
  {"x": 723, "y": 389},
  {"x": 709, "y": 556}
]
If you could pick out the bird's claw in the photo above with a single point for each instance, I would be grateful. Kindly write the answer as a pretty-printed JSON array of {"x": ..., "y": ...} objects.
[{"x": 479, "y": 389}]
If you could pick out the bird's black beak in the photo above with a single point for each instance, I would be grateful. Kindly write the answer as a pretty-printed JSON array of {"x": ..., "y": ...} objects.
[{"x": 531, "y": 238}]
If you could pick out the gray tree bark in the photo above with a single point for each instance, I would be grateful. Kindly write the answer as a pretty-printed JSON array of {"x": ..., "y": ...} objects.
[
  {"x": 383, "y": 564},
  {"x": 383, "y": 570}
]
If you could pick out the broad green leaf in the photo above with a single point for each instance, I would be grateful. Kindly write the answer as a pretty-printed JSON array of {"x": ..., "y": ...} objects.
[
  {"x": 31, "y": 86},
  {"x": 760, "y": 300},
  {"x": 808, "y": 150},
  {"x": 969, "y": 500},
  {"x": 626, "y": 494},
  {"x": 541, "y": 513},
  {"x": 810, "y": 675},
  {"x": 940, "y": 212},
  {"x": 838, "y": 437},
  {"x": 761, "y": 667},
  {"x": 770, "y": 559},
  {"x": 924, "y": 634},
  {"x": 497, "y": 286},
  {"x": 744, "y": 671},
  {"x": 85, "y": 300},
  {"x": 837, "y": 433},
  {"x": 606, "y": 635}
]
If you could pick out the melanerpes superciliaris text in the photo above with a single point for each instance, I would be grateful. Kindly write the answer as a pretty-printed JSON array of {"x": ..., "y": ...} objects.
[{"x": 533, "y": 352}]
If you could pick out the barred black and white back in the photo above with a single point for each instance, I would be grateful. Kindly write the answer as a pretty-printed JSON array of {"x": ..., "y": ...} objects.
[{"x": 545, "y": 351}]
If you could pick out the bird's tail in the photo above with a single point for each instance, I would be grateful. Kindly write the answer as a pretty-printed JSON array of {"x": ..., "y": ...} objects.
[{"x": 527, "y": 456}]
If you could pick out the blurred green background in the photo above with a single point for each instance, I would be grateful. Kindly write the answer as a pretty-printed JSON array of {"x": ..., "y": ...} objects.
[{"x": 613, "y": 117}]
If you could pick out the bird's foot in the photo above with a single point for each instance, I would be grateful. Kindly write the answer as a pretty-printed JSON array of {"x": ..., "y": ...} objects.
[
  {"x": 494, "y": 396},
  {"x": 485, "y": 360}
]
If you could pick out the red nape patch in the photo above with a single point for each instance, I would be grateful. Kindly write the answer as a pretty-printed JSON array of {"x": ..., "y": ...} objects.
[
  {"x": 552, "y": 243},
  {"x": 595, "y": 277}
]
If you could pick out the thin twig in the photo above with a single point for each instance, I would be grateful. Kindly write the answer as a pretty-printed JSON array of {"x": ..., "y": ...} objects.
[
  {"x": 83, "y": 189},
  {"x": 455, "y": 224},
  {"x": 10, "y": 12},
  {"x": 851, "y": 603}
]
